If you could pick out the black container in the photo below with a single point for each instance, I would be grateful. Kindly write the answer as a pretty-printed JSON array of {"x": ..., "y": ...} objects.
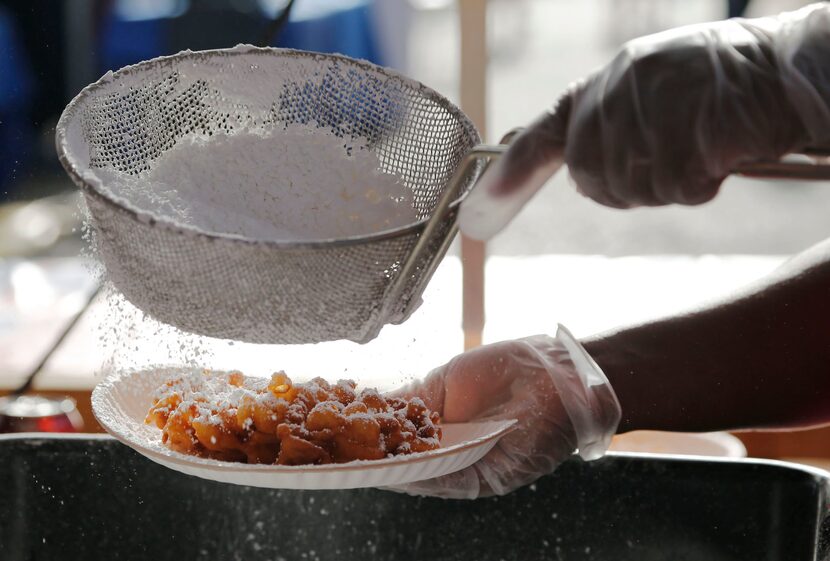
[{"x": 90, "y": 498}]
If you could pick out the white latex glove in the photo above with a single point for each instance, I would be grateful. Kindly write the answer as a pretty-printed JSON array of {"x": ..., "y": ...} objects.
[
  {"x": 560, "y": 397},
  {"x": 670, "y": 117}
]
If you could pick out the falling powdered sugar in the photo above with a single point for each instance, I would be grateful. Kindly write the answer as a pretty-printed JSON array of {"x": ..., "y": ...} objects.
[{"x": 297, "y": 183}]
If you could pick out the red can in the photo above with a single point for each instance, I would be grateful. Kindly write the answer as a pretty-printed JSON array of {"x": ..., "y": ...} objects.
[{"x": 32, "y": 413}]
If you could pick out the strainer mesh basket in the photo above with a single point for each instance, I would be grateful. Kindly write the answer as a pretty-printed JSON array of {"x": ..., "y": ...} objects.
[{"x": 263, "y": 291}]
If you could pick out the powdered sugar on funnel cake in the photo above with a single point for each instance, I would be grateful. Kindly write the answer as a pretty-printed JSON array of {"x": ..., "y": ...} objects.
[
  {"x": 120, "y": 404},
  {"x": 233, "y": 417},
  {"x": 294, "y": 183}
]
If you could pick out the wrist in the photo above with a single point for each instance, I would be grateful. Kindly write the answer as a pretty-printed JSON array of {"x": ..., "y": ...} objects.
[{"x": 621, "y": 376}]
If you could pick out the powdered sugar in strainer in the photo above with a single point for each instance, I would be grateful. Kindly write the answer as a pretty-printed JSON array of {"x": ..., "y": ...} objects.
[{"x": 166, "y": 152}]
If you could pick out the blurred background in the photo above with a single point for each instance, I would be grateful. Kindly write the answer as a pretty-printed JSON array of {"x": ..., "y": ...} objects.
[{"x": 565, "y": 249}]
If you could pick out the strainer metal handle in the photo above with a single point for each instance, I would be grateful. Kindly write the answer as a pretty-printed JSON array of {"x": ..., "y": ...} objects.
[
  {"x": 422, "y": 247},
  {"x": 808, "y": 164}
]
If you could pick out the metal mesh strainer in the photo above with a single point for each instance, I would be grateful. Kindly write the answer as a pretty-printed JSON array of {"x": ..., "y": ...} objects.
[{"x": 267, "y": 291}]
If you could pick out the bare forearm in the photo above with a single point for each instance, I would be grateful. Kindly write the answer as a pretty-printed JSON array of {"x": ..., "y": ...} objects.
[{"x": 758, "y": 359}]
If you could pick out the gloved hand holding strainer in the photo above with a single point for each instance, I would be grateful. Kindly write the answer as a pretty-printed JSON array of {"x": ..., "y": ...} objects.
[
  {"x": 672, "y": 116},
  {"x": 558, "y": 394}
]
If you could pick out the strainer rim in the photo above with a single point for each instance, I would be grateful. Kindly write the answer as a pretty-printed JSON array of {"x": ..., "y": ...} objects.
[{"x": 72, "y": 167}]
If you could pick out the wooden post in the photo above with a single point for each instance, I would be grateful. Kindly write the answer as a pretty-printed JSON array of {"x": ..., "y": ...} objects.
[{"x": 472, "y": 15}]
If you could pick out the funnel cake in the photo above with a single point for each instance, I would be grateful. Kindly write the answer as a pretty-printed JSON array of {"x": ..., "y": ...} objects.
[{"x": 239, "y": 418}]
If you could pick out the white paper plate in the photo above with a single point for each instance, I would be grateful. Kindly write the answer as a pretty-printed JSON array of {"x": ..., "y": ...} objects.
[{"x": 121, "y": 402}]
